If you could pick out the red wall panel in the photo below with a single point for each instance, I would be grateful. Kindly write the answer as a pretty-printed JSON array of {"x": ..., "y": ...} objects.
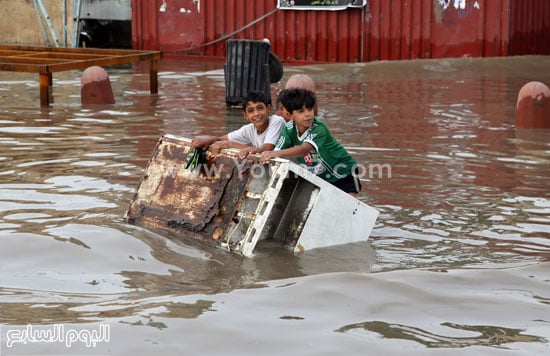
[
  {"x": 529, "y": 27},
  {"x": 145, "y": 25},
  {"x": 383, "y": 30}
]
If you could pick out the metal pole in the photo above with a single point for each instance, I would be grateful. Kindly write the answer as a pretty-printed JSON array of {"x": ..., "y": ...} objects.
[
  {"x": 46, "y": 38},
  {"x": 64, "y": 23},
  {"x": 49, "y": 22},
  {"x": 76, "y": 23}
]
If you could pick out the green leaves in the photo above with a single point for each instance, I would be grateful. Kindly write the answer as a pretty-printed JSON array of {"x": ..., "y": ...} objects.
[{"x": 195, "y": 158}]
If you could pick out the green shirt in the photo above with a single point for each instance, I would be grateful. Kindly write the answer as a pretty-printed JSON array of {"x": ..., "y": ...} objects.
[{"x": 328, "y": 159}]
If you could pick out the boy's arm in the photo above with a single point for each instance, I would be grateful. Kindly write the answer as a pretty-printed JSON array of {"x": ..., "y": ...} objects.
[
  {"x": 295, "y": 151},
  {"x": 246, "y": 150},
  {"x": 253, "y": 149},
  {"x": 225, "y": 143},
  {"x": 205, "y": 141}
]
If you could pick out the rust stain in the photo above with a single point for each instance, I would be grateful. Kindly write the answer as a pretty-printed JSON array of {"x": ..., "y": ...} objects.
[
  {"x": 217, "y": 233},
  {"x": 182, "y": 203}
]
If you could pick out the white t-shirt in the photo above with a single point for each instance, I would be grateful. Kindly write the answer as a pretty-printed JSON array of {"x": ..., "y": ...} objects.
[{"x": 247, "y": 135}]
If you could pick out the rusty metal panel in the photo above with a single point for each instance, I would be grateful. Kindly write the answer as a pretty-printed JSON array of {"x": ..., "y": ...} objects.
[{"x": 175, "y": 201}]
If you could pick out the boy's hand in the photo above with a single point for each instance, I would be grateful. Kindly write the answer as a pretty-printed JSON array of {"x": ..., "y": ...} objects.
[
  {"x": 216, "y": 147},
  {"x": 244, "y": 152},
  {"x": 267, "y": 155},
  {"x": 201, "y": 142}
]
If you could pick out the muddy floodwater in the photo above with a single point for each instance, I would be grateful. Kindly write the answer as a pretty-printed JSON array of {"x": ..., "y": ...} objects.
[{"x": 457, "y": 263}]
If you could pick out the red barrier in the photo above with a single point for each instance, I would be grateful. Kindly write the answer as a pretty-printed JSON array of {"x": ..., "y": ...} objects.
[
  {"x": 95, "y": 87},
  {"x": 533, "y": 106}
]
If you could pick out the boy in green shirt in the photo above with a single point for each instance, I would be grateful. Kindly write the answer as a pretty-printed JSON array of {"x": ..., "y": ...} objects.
[{"x": 308, "y": 138}]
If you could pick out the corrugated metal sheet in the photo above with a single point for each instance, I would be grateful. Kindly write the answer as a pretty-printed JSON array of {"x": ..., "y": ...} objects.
[
  {"x": 529, "y": 27},
  {"x": 383, "y": 30},
  {"x": 145, "y": 24},
  {"x": 474, "y": 30}
]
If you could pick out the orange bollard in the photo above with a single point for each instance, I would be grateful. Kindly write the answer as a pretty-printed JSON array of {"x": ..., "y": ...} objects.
[
  {"x": 95, "y": 87},
  {"x": 533, "y": 106},
  {"x": 302, "y": 81}
]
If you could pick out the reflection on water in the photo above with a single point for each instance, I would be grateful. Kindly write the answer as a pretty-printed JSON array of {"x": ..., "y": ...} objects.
[
  {"x": 458, "y": 259},
  {"x": 485, "y": 335}
]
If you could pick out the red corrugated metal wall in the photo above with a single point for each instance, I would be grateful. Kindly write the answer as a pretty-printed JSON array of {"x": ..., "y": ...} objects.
[
  {"x": 384, "y": 30},
  {"x": 477, "y": 30},
  {"x": 529, "y": 27},
  {"x": 145, "y": 25}
]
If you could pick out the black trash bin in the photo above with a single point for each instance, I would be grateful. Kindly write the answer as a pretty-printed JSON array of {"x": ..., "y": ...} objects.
[{"x": 246, "y": 69}]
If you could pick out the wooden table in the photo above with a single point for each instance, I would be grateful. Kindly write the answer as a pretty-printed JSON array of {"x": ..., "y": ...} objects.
[{"x": 48, "y": 60}]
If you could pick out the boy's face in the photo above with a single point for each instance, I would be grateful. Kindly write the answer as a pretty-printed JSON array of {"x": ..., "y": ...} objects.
[
  {"x": 257, "y": 114},
  {"x": 303, "y": 118}
]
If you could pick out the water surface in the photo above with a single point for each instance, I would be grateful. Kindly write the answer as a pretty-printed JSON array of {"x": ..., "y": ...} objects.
[{"x": 458, "y": 261}]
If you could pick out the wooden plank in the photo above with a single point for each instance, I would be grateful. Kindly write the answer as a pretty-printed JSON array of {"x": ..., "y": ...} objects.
[
  {"x": 32, "y": 60},
  {"x": 22, "y": 67},
  {"x": 48, "y": 60},
  {"x": 72, "y": 50},
  {"x": 153, "y": 76},
  {"x": 56, "y": 55},
  {"x": 42, "y": 65},
  {"x": 44, "y": 90}
]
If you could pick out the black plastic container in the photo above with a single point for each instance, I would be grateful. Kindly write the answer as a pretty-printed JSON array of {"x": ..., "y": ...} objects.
[{"x": 246, "y": 69}]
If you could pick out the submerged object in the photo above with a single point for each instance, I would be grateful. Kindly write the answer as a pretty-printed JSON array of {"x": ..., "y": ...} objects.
[{"x": 236, "y": 204}]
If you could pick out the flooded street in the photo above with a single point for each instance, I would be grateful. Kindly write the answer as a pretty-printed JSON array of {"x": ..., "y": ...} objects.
[{"x": 458, "y": 262}]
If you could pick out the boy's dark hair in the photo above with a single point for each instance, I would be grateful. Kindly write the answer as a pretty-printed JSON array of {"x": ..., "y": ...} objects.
[
  {"x": 256, "y": 97},
  {"x": 280, "y": 97},
  {"x": 295, "y": 99}
]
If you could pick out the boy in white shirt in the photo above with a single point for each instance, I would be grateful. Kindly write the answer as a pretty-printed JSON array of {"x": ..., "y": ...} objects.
[{"x": 261, "y": 134}]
